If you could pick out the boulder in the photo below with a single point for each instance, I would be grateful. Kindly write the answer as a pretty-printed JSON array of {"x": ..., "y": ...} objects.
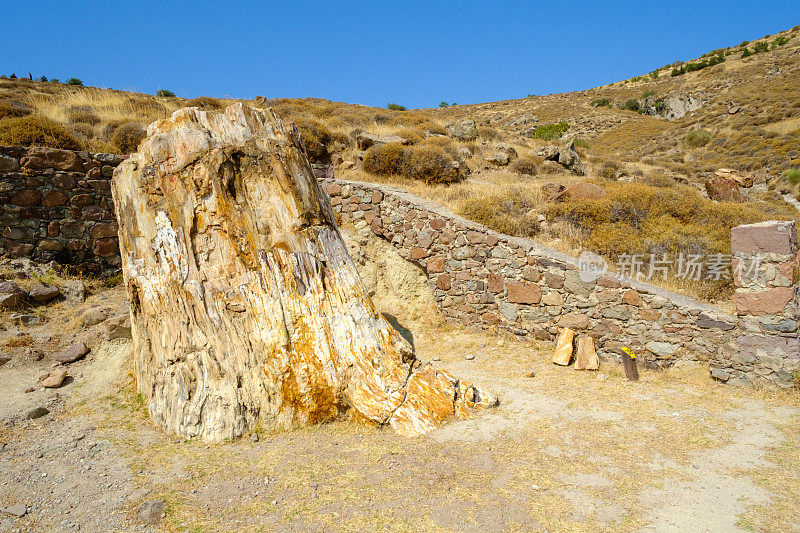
[
  {"x": 463, "y": 130},
  {"x": 551, "y": 190},
  {"x": 72, "y": 353},
  {"x": 582, "y": 191},
  {"x": 723, "y": 189},
  {"x": 742, "y": 179},
  {"x": 498, "y": 158},
  {"x": 94, "y": 315},
  {"x": 11, "y": 295},
  {"x": 8, "y": 164},
  {"x": 246, "y": 309},
  {"x": 43, "y": 293},
  {"x": 568, "y": 158},
  {"x": 548, "y": 153},
  {"x": 41, "y": 158},
  {"x": 365, "y": 140}
]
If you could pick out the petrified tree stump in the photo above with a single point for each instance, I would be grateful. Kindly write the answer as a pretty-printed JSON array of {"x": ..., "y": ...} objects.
[
  {"x": 246, "y": 308},
  {"x": 563, "y": 353},
  {"x": 585, "y": 354}
]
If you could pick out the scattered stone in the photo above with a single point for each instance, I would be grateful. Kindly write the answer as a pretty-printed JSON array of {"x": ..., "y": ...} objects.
[
  {"x": 498, "y": 158},
  {"x": 469, "y": 357},
  {"x": 73, "y": 353},
  {"x": 254, "y": 437},
  {"x": 530, "y": 374},
  {"x": 18, "y": 509},
  {"x": 94, "y": 315},
  {"x": 601, "y": 377},
  {"x": 43, "y": 293},
  {"x": 118, "y": 327},
  {"x": 55, "y": 378},
  {"x": 463, "y": 130},
  {"x": 151, "y": 512},
  {"x": 742, "y": 179},
  {"x": 74, "y": 291},
  {"x": 37, "y": 412},
  {"x": 25, "y": 319},
  {"x": 11, "y": 295}
]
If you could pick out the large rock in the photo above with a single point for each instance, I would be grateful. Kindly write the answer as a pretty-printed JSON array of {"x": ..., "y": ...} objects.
[
  {"x": 55, "y": 378},
  {"x": 568, "y": 158},
  {"x": 43, "y": 293},
  {"x": 72, "y": 353},
  {"x": 8, "y": 164},
  {"x": 40, "y": 158},
  {"x": 464, "y": 129},
  {"x": 11, "y": 295},
  {"x": 246, "y": 308},
  {"x": 764, "y": 237},
  {"x": 742, "y": 179},
  {"x": 365, "y": 140},
  {"x": 723, "y": 189}
]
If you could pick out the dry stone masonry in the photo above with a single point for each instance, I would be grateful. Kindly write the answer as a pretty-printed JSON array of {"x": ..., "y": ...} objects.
[
  {"x": 486, "y": 279},
  {"x": 56, "y": 205}
]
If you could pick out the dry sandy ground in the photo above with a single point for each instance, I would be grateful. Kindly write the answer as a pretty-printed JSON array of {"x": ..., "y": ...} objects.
[{"x": 564, "y": 451}]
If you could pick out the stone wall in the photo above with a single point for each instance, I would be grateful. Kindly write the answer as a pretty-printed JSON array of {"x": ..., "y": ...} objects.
[
  {"x": 485, "y": 279},
  {"x": 766, "y": 342},
  {"x": 56, "y": 205}
]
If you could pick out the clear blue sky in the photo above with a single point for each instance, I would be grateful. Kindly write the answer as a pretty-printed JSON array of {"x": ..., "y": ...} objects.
[{"x": 413, "y": 53}]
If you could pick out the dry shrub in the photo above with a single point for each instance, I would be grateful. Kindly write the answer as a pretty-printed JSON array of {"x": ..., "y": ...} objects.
[
  {"x": 83, "y": 115},
  {"x": 34, "y": 130},
  {"x": 485, "y": 132},
  {"x": 641, "y": 218},
  {"x": 409, "y": 135},
  {"x": 524, "y": 166},
  {"x": 430, "y": 163},
  {"x": 607, "y": 170},
  {"x": 432, "y": 128},
  {"x": 13, "y": 109},
  {"x": 205, "y": 102},
  {"x": 127, "y": 136},
  {"x": 659, "y": 179},
  {"x": 426, "y": 162},
  {"x": 315, "y": 136},
  {"x": 384, "y": 159},
  {"x": 508, "y": 213}
]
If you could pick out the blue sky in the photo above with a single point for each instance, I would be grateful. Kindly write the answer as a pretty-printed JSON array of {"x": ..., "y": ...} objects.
[{"x": 412, "y": 53}]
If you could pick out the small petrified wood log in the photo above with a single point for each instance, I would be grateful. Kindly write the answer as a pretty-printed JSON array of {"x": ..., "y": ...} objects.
[
  {"x": 585, "y": 354},
  {"x": 629, "y": 363},
  {"x": 245, "y": 305},
  {"x": 563, "y": 353}
]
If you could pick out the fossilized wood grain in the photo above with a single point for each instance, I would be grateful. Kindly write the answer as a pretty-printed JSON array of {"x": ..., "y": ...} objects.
[{"x": 246, "y": 308}]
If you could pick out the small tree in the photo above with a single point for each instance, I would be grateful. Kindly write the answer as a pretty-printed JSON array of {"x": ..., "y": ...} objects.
[
  {"x": 75, "y": 81},
  {"x": 396, "y": 107},
  {"x": 43, "y": 78},
  {"x": 13, "y": 76},
  {"x": 444, "y": 104},
  {"x": 165, "y": 93}
]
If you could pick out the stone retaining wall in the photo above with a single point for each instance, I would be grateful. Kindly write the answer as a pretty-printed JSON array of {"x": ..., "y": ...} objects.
[
  {"x": 483, "y": 278},
  {"x": 56, "y": 205}
]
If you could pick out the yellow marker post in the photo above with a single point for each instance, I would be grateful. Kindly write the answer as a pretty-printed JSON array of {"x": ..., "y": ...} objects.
[{"x": 629, "y": 363}]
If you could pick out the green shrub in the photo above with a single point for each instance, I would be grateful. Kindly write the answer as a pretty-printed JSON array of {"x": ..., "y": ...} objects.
[
  {"x": 444, "y": 104},
  {"x": 631, "y": 104},
  {"x": 746, "y": 53},
  {"x": 793, "y": 175},
  {"x": 761, "y": 46},
  {"x": 648, "y": 94},
  {"x": 780, "y": 41},
  {"x": 315, "y": 136},
  {"x": 600, "y": 102},
  {"x": 654, "y": 75},
  {"x": 34, "y": 130},
  {"x": 43, "y": 78},
  {"x": 524, "y": 166},
  {"x": 55, "y": 80},
  {"x": 696, "y": 138},
  {"x": 581, "y": 143},
  {"x": 550, "y": 132},
  {"x": 13, "y": 76},
  {"x": 395, "y": 107},
  {"x": 74, "y": 81},
  {"x": 165, "y": 93},
  {"x": 127, "y": 136}
]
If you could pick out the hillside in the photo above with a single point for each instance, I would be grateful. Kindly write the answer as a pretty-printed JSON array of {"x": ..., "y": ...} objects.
[{"x": 649, "y": 142}]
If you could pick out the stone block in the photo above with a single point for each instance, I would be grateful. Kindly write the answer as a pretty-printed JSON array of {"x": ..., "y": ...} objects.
[{"x": 764, "y": 237}]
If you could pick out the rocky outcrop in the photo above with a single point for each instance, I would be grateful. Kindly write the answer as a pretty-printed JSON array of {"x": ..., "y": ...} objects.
[
  {"x": 365, "y": 140},
  {"x": 566, "y": 156},
  {"x": 464, "y": 129},
  {"x": 245, "y": 307}
]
